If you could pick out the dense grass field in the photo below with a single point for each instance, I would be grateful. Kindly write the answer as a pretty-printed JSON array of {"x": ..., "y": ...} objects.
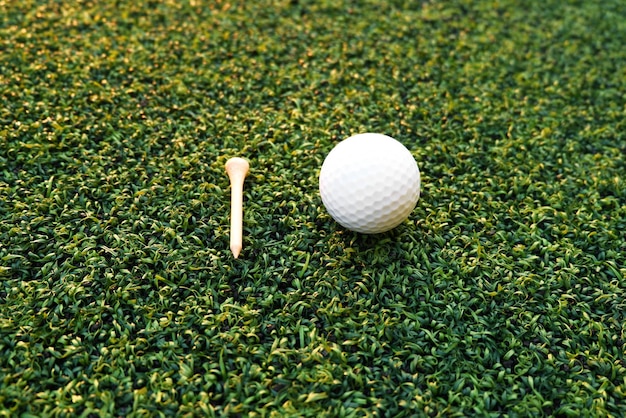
[{"x": 503, "y": 294}]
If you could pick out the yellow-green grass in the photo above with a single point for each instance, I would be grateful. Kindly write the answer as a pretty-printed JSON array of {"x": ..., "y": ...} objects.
[{"x": 503, "y": 294}]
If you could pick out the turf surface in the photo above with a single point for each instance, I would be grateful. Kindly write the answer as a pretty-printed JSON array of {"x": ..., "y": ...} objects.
[{"x": 502, "y": 295}]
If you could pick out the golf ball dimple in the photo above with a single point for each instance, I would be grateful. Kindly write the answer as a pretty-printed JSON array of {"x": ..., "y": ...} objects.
[{"x": 369, "y": 183}]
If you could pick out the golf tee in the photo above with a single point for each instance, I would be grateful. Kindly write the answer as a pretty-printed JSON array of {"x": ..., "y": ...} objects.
[{"x": 237, "y": 169}]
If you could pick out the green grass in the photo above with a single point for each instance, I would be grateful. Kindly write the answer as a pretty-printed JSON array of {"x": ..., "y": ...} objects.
[{"x": 504, "y": 294}]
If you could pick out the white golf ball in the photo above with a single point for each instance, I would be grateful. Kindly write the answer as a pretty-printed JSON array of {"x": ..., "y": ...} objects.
[{"x": 369, "y": 183}]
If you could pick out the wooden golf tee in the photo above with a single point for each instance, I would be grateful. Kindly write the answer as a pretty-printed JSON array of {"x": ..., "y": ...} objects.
[{"x": 237, "y": 169}]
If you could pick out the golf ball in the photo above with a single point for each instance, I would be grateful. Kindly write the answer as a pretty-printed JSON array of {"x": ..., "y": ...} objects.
[{"x": 369, "y": 183}]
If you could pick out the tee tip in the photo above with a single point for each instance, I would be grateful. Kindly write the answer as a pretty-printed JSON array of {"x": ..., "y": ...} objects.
[{"x": 236, "y": 249}]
